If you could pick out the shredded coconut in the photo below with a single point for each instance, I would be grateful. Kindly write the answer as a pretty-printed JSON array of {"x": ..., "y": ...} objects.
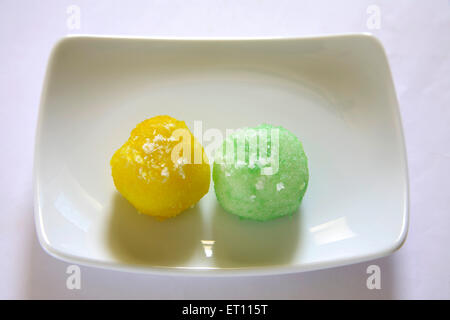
[
  {"x": 159, "y": 137},
  {"x": 165, "y": 172},
  {"x": 143, "y": 174},
  {"x": 181, "y": 172},
  {"x": 181, "y": 161},
  {"x": 148, "y": 147}
]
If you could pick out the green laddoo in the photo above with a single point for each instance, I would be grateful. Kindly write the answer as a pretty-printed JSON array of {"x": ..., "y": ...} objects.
[{"x": 261, "y": 173}]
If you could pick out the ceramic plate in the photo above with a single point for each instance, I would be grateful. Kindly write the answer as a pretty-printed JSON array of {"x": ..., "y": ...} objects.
[{"x": 334, "y": 92}]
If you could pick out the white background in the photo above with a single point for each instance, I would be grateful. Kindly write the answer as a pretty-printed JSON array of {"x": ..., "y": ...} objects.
[{"x": 416, "y": 35}]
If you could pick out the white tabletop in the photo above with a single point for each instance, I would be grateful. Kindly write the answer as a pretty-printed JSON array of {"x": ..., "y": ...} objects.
[{"x": 416, "y": 35}]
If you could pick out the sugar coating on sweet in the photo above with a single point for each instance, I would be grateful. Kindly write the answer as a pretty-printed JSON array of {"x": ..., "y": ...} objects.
[
  {"x": 260, "y": 173},
  {"x": 259, "y": 185},
  {"x": 280, "y": 186}
]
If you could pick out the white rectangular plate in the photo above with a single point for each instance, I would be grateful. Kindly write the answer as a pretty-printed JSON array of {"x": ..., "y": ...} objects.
[{"x": 334, "y": 92}]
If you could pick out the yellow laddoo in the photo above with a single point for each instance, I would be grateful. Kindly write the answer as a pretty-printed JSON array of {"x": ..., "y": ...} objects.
[{"x": 162, "y": 169}]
